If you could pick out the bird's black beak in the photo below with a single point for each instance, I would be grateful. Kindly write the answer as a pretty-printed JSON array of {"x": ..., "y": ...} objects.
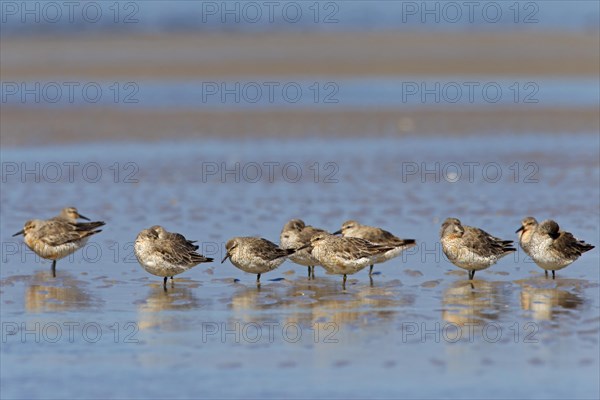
[
  {"x": 522, "y": 228},
  {"x": 21, "y": 232},
  {"x": 306, "y": 246},
  {"x": 337, "y": 232},
  {"x": 83, "y": 217},
  {"x": 226, "y": 257}
]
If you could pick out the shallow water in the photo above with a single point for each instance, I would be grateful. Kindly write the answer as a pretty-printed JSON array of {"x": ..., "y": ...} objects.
[
  {"x": 181, "y": 15},
  {"x": 107, "y": 328},
  {"x": 322, "y": 92}
]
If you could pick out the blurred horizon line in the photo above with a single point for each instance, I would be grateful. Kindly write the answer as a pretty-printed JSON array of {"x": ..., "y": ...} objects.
[{"x": 43, "y": 17}]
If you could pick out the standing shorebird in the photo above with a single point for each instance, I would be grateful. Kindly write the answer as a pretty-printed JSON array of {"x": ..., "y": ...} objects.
[
  {"x": 56, "y": 238},
  {"x": 472, "y": 248},
  {"x": 344, "y": 255},
  {"x": 525, "y": 232},
  {"x": 296, "y": 234},
  {"x": 166, "y": 254},
  {"x": 549, "y": 247},
  {"x": 255, "y": 255},
  {"x": 70, "y": 214},
  {"x": 376, "y": 236}
]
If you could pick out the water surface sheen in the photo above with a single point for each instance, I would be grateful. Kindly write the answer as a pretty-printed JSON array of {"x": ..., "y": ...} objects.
[{"x": 420, "y": 330}]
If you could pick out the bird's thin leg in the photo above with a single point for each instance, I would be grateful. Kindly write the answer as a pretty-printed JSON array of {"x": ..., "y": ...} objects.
[
  {"x": 371, "y": 280},
  {"x": 54, "y": 268},
  {"x": 258, "y": 279},
  {"x": 165, "y": 283},
  {"x": 553, "y": 274},
  {"x": 312, "y": 272},
  {"x": 344, "y": 282},
  {"x": 371, "y": 270},
  {"x": 309, "y": 272},
  {"x": 546, "y": 272}
]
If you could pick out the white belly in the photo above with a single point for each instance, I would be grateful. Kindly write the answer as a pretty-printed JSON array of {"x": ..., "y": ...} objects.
[{"x": 52, "y": 252}]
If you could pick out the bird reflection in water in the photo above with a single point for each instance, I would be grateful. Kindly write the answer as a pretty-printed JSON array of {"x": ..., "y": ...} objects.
[
  {"x": 475, "y": 302},
  {"x": 64, "y": 293},
  {"x": 548, "y": 301},
  {"x": 308, "y": 302},
  {"x": 154, "y": 310}
]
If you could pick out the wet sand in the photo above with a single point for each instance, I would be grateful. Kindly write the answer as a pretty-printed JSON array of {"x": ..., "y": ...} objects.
[
  {"x": 313, "y": 55},
  {"x": 25, "y": 126},
  {"x": 387, "y": 339},
  {"x": 419, "y": 322},
  {"x": 346, "y": 53}
]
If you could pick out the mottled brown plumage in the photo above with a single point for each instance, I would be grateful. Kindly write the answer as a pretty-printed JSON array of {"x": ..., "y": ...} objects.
[
  {"x": 525, "y": 232},
  {"x": 376, "y": 235},
  {"x": 166, "y": 254},
  {"x": 553, "y": 249},
  {"x": 57, "y": 232},
  {"x": 70, "y": 214},
  {"x": 255, "y": 255},
  {"x": 344, "y": 255},
  {"x": 472, "y": 248},
  {"x": 56, "y": 238},
  {"x": 296, "y": 234}
]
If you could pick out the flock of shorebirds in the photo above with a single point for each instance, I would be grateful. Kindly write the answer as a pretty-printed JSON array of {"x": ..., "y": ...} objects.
[{"x": 167, "y": 254}]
